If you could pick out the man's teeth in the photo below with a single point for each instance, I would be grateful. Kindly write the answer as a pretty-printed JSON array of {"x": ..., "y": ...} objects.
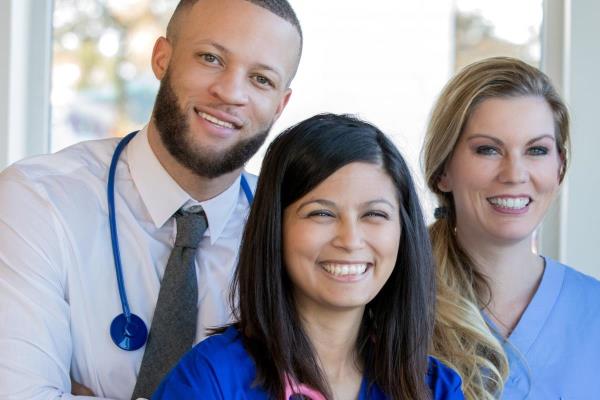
[
  {"x": 215, "y": 121},
  {"x": 345, "y": 269},
  {"x": 513, "y": 203}
]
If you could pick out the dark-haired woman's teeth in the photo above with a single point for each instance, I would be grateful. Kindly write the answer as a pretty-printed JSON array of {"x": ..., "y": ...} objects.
[{"x": 345, "y": 269}]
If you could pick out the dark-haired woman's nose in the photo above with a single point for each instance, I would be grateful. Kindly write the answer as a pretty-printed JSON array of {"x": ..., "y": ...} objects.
[{"x": 349, "y": 235}]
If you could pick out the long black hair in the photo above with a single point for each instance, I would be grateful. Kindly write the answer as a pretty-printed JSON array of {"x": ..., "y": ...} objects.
[{"x": 395, "y": 331}]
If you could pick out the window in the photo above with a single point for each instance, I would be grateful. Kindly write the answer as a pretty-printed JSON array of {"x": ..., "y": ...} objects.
[{"x": 385, "y": 62}]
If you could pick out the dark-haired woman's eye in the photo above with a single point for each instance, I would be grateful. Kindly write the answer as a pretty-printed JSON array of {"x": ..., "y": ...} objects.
[
  {"x": 377, "y": 214},
  {"x": 321, "y": 213}
]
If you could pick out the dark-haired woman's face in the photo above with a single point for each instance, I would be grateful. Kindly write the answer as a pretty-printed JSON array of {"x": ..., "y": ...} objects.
[{"x": 341, "y": 239}]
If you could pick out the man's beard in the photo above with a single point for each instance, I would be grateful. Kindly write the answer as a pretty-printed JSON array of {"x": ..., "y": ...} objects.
[{"x": 175, "y": 134}]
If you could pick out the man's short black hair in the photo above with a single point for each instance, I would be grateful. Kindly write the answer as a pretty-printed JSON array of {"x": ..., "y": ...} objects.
[{"x": 281, "y": 8}]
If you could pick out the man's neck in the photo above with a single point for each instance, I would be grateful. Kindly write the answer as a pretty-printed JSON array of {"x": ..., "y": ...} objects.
[{"x": 200, "y": 188}]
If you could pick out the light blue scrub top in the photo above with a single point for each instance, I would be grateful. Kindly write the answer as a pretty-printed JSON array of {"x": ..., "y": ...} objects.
[{"x": 554, "y": 351}]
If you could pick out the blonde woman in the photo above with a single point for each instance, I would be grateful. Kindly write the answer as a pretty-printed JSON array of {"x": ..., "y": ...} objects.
[{"x": 513, "y": 323}]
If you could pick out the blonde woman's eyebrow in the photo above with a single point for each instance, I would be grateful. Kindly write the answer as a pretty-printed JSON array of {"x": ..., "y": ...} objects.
[
  {"x": 484, "y": 136},
  {"x": 500, "y": 142},
  {"x": 544, "y": 136}
]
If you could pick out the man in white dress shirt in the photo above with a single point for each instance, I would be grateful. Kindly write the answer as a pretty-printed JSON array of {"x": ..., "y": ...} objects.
[{"x": 225, "y": 68}]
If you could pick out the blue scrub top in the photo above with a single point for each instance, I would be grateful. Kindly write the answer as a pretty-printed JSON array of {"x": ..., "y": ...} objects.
[
  {"x": 554, "y": 350},
  {"x": 220, "y": 368}
]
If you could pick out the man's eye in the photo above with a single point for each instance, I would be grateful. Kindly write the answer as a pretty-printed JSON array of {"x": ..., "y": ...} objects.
[
  {"x": 537, "y": 151},
  {"x": 263, "y": 81},
  {"x": 209, "y": 58},
  {"x": 487, "y": 150}
]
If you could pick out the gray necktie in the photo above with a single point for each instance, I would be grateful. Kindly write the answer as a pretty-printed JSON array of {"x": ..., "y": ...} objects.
[{"x": 173, "y": 328}]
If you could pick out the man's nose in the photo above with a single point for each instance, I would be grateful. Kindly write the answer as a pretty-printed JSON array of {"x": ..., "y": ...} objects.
[{"x": 231, "y": 87}]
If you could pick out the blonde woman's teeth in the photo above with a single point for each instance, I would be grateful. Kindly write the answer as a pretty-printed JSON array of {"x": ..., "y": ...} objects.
[
  {"x": 215, "y": 120},
  {"x": 345, "y": 269},
  {"x": 514, "y": 203}
]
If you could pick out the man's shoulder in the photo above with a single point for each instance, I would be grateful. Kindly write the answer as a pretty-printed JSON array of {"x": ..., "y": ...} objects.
[{"x": 88, "y": 158}]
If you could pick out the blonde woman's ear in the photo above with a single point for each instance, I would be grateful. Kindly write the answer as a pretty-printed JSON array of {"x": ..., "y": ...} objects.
[{"x": 443, "y": 183}]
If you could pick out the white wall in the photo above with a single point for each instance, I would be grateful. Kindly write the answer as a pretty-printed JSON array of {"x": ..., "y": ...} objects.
[
  {"x": 5, "y": 30},
  {"x": 582, "y": 87}
]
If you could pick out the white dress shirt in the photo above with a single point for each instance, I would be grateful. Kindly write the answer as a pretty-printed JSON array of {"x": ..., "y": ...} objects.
[{"x": 58, "y": 288}]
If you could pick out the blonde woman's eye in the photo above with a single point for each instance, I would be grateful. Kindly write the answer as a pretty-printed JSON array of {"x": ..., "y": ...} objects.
[
  {"x": 487, "y": 150},
  {"x": 538, "y": 151}
]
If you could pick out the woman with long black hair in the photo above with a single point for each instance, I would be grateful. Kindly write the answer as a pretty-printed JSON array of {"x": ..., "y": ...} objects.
[{"x": 335, "y": 282}]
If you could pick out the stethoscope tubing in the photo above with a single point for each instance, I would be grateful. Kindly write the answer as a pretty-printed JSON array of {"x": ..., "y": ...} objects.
[
  {"x": 114, "y": 236},
  {"x": 128, "y": 331}
]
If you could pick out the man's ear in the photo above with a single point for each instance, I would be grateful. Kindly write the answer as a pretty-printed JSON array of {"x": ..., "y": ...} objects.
[
  {"x": 282, "y": 103},
  {"x": 161, "y": 57}
]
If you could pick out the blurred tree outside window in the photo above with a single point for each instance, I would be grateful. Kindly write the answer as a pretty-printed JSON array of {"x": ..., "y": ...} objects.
[
  {"x": 486, "y": 28},
  {"x": 102, "y": 84}
]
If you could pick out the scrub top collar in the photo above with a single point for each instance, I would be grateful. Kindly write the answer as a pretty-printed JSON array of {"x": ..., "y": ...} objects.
[
  {"x": 533, "y": 320},
  {"x": 162, "y": 196}
]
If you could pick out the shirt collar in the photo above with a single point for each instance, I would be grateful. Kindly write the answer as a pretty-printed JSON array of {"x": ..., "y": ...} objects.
[{"x": 162, "y": 196}]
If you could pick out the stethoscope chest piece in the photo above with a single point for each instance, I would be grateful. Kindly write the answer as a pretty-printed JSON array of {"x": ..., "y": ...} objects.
[{"x": 129, "y": 333}]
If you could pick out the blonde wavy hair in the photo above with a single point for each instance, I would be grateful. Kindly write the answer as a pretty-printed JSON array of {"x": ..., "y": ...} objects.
[{"x": 462, "y": 338}]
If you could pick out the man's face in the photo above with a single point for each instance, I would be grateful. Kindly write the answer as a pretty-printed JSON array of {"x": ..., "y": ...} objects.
[{"x": 224, "y": 81}]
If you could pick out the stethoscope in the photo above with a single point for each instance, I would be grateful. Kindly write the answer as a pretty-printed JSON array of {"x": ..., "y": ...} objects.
[{"x": 127, "y": 330}]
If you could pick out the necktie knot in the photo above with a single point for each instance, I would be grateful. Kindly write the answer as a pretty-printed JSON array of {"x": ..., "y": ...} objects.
[{"x": 190, "y": 228}]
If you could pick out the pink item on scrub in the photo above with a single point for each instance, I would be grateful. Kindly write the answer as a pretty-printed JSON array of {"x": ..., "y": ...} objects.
[{"x": 300, "y": 389}]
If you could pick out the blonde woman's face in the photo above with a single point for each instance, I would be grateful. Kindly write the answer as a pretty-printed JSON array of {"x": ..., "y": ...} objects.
[{"x": 504, "y": 172}]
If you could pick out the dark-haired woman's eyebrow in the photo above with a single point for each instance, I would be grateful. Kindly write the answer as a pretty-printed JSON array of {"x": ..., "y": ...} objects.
[
  {"x": 380, "y": 201},
  {"x": 323, "y": 202}
]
